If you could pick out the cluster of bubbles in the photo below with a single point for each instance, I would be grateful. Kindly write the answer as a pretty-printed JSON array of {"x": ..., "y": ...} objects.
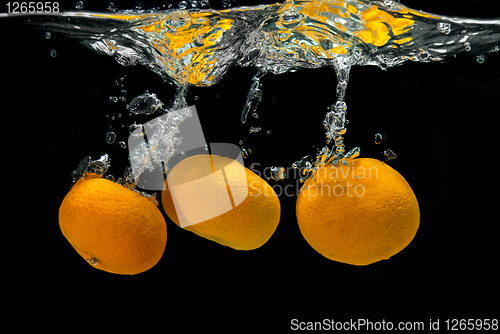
[
  {"x": 144, "y": 104},
  {"x": 446, "y": 28},
  {"x": 79, "y": 5}
]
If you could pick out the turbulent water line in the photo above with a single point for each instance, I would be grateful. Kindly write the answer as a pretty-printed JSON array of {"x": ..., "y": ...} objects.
[{"x": 197, "y": 47}]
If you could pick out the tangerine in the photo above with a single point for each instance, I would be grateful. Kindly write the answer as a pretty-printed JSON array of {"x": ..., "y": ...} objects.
[
  {"x": 219, "y": 199},
  {"x": 114, "y": 228},
  {"x": 357, "y": 214}
]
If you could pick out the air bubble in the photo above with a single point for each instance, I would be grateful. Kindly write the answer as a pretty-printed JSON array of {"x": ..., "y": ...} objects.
[
  {"x": 48, "y": 35},
  {"x": 183, "y": 5},
  {"x": 145, "y": 104},
  {"x": 480, "y": 59},
  {"x": 389, "y": 4},
  {"x": 177, "y": 140},
  {"x": 467, "y": 46},
  {"x": 53, "y": 53},
  {"x": 380, "y": 137},
  {"x": 122, "y": 144},
  {"x": 389, "y": 155},
  {"x": 253, "y": 130},
  {"x": 79, "y": 5},
  {"x": 278, "y": 173},
  {"x": 244, "y": 153},
  {"x": 133, "y": 127},
  {"x": 87, "y": 165},
  {"x": 110, "y": 137},
  {"x": 443, "y": 27}
]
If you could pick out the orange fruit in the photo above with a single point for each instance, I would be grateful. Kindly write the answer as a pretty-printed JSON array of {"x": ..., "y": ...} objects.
[
  {"x": 114, "y": 228},
  {"x": 357, "y": 214},
  {"x": 208, "y": 189}
]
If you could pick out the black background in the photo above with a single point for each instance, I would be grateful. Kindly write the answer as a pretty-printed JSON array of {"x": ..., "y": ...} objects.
[{"x": 439, "y": 118}]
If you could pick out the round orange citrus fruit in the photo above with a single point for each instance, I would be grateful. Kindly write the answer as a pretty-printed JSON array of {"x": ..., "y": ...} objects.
[
  {"x": 219, "y": 199},
  {"x": 357, "y": 214},
  {"x": 114, "y": 228}
]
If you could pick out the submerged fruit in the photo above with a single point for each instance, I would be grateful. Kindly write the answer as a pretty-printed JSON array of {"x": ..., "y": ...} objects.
[
  {"x": 358, "y": 214},
  {"x": 114, "y": 228},
  {"x": 243, "y": 224}
]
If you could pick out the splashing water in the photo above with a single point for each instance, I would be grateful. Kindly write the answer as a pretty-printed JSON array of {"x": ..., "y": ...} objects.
[{"x": 196, "y": 47}]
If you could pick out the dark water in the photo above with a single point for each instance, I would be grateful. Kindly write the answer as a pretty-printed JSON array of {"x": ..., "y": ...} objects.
[{"x": 437, "y": 117}]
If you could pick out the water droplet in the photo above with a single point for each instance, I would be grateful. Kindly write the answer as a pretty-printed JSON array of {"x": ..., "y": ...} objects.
[
  {"x": 195, "y": 97},
  {"x": 467, "y": 46},
  {"x": 240, "y": 142},
  {"x": 443, "y": 27},
  {"x": 268, "y": 131},
  {"x": 183, "y": 5},
  {"x": 48, "y": 35},
  {"x": 79, "y": 5},
  {"x": 389, "y": 155},
  {"x": 253, "y": 130},
  {"x": 53, "y": 53},
  {"x": 194, "y": 3},
  {"x": 204, "y": 3},
  {"x": 255, "y": 115},
  {"x": 110, "y": 137},
  {"x": 206, "y": 147},
  {"x": 122, "y": 144},
  {"x": 480, "y": 59}
]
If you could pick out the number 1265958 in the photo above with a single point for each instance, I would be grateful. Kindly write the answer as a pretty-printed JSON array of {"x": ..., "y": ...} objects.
[{"x": 32, "y": 7}]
